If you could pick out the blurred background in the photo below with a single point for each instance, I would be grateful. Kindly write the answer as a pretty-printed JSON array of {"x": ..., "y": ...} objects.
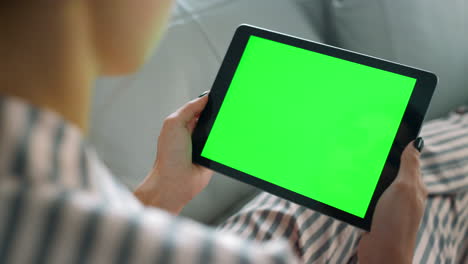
[{"x": 128, "y": 112}]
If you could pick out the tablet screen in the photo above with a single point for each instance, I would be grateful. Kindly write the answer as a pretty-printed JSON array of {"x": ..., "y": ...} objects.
[{"x": 314, "y": 124}]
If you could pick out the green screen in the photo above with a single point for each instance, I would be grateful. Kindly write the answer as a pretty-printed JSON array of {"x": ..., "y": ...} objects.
[{"x": 314, "y": 124}]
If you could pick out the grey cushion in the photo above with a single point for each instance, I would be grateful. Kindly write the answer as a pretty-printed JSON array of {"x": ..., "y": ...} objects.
[{"x": 430, "y": 34}]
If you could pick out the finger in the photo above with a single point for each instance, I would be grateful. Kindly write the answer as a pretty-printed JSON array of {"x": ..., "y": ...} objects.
[
  {"x": 410, "y": 164},
  {"x": 191, "y": 124},
  {"x": 203, "y": 170},
  {"x": 192, "y": 109}
]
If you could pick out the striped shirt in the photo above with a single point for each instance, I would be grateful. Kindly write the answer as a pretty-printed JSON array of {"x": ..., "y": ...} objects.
[
  {"x": 317, "y": 238},
  {"x": 60, "y": 204}
]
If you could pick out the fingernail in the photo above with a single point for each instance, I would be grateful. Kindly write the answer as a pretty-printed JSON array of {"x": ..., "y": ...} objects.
[
  {"x": 419, "y": 144},
  {"x": 203, "y": 94}
]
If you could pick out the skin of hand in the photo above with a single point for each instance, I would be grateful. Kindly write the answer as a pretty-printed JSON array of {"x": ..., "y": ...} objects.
[
  {"x": 397, "y": 216},
  {"x": 174, "y": 179}
]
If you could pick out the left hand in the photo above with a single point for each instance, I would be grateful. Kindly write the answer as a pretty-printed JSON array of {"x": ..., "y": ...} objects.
[
  {"x": 174, "y": 179},
  {"x": 397, "y": 216}
]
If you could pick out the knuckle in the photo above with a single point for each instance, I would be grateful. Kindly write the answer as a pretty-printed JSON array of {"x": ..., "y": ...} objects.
[
  {"x": 412, "y": 165},
  {"x": 424, "y": 191},
  {"x": 171, "y": 120},
  {"x": 188, "y": 105},
  {"x": 193, "y": 102},
  {"x": 414, "y": 194},
  {"x": 411, "y": 156},
  {"x": 420, "y": 202},
  {"x": 417, "y": 172},
  {"x": 403, "y": 187},
  {"x": 414, "y": 172},
  {"x": 413, "y": 159},
  {"x": 410, "y": 174},
  {"x": 418, "y": 205}
]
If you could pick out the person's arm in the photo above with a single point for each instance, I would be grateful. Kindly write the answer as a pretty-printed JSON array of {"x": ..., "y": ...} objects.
[
  {"x": 174, "y": 179},
  {"x": 397, "y": 216},
  {"x": 53, "y": 224}
]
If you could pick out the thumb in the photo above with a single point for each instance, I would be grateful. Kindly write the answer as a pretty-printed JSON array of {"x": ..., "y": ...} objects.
[
  {"x": 410, "y": 164},
  {"x": 193, "y": 108}
]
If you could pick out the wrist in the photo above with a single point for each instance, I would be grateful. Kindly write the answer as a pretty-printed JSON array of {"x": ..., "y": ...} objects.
[{"x": 152, "y": 194}]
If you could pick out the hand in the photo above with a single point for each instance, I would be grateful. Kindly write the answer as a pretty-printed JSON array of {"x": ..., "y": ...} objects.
[
  {"x": 397, "y": 216},
  {"x": 174, "y": 179}
]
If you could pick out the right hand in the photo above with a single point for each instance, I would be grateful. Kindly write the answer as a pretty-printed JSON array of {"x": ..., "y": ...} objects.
[{"x": 397, "y": 216}]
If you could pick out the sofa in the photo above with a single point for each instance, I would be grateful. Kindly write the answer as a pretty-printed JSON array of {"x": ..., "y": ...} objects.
[{"x": 128, "y": 111}]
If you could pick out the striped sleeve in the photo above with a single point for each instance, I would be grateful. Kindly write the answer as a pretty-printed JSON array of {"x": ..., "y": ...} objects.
[
  {"x": 59, "y": 226},
  {"x": 59, "y": 204}
]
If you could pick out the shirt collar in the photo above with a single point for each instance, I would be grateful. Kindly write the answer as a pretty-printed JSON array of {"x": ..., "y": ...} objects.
[{"x": 37, "y": 145}]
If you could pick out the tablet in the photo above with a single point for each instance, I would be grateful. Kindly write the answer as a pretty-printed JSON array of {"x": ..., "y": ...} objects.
[{"x": 318, "y": 125}]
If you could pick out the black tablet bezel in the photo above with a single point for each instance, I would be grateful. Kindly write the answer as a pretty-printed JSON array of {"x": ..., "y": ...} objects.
[{"x": 408, "y": 130}]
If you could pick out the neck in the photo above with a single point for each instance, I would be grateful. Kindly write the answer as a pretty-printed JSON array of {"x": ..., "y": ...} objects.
[{"x": 45, "y": 60}]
